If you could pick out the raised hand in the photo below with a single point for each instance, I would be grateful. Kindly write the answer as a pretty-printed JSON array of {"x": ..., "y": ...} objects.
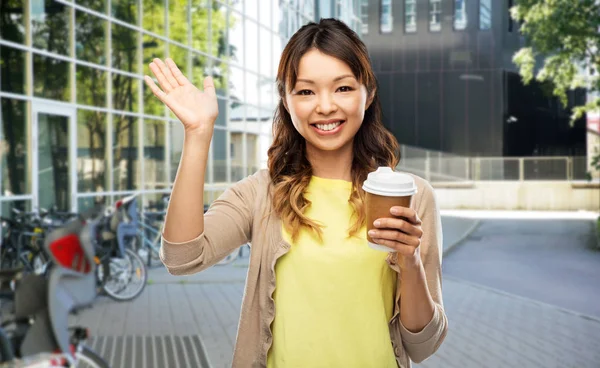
[{"x": 196, "y": 109}]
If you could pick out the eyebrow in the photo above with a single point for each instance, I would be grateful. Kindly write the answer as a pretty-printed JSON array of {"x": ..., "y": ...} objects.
[{"x": 335, "y": 80}]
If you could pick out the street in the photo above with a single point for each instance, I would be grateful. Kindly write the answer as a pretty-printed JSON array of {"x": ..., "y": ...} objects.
[{"x": 558, "y": 265}]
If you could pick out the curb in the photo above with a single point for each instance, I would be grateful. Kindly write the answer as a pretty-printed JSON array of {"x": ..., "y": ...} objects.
[
  {"x": 524, "y": 299},
  {"x": 464, "y": 237}
]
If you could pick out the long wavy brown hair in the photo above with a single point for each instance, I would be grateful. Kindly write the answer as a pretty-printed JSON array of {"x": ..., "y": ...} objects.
[{"x": 373, "y": 144}]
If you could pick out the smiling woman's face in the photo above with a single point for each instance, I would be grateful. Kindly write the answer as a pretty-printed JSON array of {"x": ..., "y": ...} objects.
[{"x": 327, "y": 105}]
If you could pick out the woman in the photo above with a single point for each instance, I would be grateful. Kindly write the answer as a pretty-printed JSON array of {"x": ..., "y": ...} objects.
[{"x": 335, "y": 301}]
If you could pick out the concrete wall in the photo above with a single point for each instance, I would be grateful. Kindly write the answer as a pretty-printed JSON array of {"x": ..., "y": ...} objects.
[{"x": 515, "y": 195}]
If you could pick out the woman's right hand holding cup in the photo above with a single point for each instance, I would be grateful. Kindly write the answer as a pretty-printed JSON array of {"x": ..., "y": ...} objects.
[{"x": 197, "y": 110}]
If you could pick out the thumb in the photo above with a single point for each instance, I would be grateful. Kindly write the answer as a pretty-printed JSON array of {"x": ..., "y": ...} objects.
[{"x": 209, "y": 86}]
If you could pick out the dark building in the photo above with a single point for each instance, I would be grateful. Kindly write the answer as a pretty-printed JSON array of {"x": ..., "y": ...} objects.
[{"x": 448, "y": 83}]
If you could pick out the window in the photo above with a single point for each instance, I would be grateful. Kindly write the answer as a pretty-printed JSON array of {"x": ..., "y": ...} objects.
[
  {"x": 410, "y": 16},
  {"x": 510, "y": 20},
  {"x": 364, "y": 16},
  {"x": 485, "y": 14},
  {"x": 435, "y": 15},
  {"x": 387, "y": 21},
  {"x": 460, "y": 15}
]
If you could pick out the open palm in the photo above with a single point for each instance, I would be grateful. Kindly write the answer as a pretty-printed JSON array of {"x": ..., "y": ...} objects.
[{"x": 196, "y": 109}]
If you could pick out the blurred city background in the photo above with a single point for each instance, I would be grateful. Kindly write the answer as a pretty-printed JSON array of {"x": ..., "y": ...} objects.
[{"x": 516, "y": 176}]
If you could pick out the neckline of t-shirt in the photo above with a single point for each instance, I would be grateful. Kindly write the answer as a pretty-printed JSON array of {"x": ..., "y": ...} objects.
[{"x": 340, "y": 182}]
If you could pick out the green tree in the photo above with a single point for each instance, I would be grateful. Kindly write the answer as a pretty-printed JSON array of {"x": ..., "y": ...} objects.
[{"x": 564, "y": 36}]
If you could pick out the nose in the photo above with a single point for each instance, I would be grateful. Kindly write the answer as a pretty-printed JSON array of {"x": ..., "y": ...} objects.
[{"x": 326, "y": 105}]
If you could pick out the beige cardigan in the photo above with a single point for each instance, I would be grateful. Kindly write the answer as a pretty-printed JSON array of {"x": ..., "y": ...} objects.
[{"x": 243, "y": 214}]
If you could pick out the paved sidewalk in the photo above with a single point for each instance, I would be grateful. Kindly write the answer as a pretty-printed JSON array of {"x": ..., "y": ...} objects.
[
  {"x": 487, "y": 328},
  {"x": 205, "y": 311},
  {"x": 191, "y": 321}
]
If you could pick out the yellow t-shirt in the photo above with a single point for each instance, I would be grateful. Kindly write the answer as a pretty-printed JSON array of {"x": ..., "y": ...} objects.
[{"x": 333, "y": 300}]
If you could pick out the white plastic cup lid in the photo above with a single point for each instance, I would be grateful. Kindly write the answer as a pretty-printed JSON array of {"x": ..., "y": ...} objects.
[{"x": 387, "y": 182}]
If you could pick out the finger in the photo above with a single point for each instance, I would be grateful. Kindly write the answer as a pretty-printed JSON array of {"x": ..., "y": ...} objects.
[
  {"x": 209, "y": 86},
  {"x": 162, "y": 79},
  {"x": 154, "y": 88},
  {"x": 179, "y": 77},
  {"x": 167, "y": 72},
  {"x": 407, "y": 213},
  {"x": 399, "y": 224},
  {"x": 397, "y": 236}
]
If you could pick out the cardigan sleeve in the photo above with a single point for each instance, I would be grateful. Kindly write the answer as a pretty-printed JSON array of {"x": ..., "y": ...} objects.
[{"x": 227, "y": 226}]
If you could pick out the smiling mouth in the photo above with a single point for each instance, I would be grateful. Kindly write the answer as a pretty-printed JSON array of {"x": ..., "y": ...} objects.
[{"x": 329, "y": 126}]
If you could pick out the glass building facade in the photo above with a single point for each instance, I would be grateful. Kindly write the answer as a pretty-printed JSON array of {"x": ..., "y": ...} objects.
[{"x": 78, "y": 126}]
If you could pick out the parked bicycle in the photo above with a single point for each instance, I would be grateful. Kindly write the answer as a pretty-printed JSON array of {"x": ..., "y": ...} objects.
[
  {"x": 121, "y": 273},
  {"x": 148, "y": 241},
  {"x": 36, "y": 329},
  {"x": 149, "y": 238},
  {"x": 23, "y": 236}
]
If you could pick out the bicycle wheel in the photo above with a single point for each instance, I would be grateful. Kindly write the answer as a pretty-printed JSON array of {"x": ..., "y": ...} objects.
[
  {"x": 88, "y": 358},
  {"x": 126, "y": 277},
  {"x": 136, "y": 243}
]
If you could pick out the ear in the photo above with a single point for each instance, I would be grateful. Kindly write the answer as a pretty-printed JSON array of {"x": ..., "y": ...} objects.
[{"x": 370, "y": 99}]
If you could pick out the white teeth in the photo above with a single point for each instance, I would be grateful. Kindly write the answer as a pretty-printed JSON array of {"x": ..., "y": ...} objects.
[{"x": 330, "y": 126}]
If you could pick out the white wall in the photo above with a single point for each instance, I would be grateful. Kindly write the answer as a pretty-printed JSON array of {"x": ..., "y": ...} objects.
[{"x": 514, "y": 195}]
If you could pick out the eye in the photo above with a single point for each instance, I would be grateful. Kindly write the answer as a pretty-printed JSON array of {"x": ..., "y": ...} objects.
[
  {"x": 304, "y": 92},
  {"x": 345, "y": 89}
]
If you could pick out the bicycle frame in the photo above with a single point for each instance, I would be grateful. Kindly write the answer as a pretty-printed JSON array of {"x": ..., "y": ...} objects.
[{"x": 154, "y": 245}]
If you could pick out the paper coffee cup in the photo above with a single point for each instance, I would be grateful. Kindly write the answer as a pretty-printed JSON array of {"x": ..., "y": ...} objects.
[{"x": 386, "y": 188}]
